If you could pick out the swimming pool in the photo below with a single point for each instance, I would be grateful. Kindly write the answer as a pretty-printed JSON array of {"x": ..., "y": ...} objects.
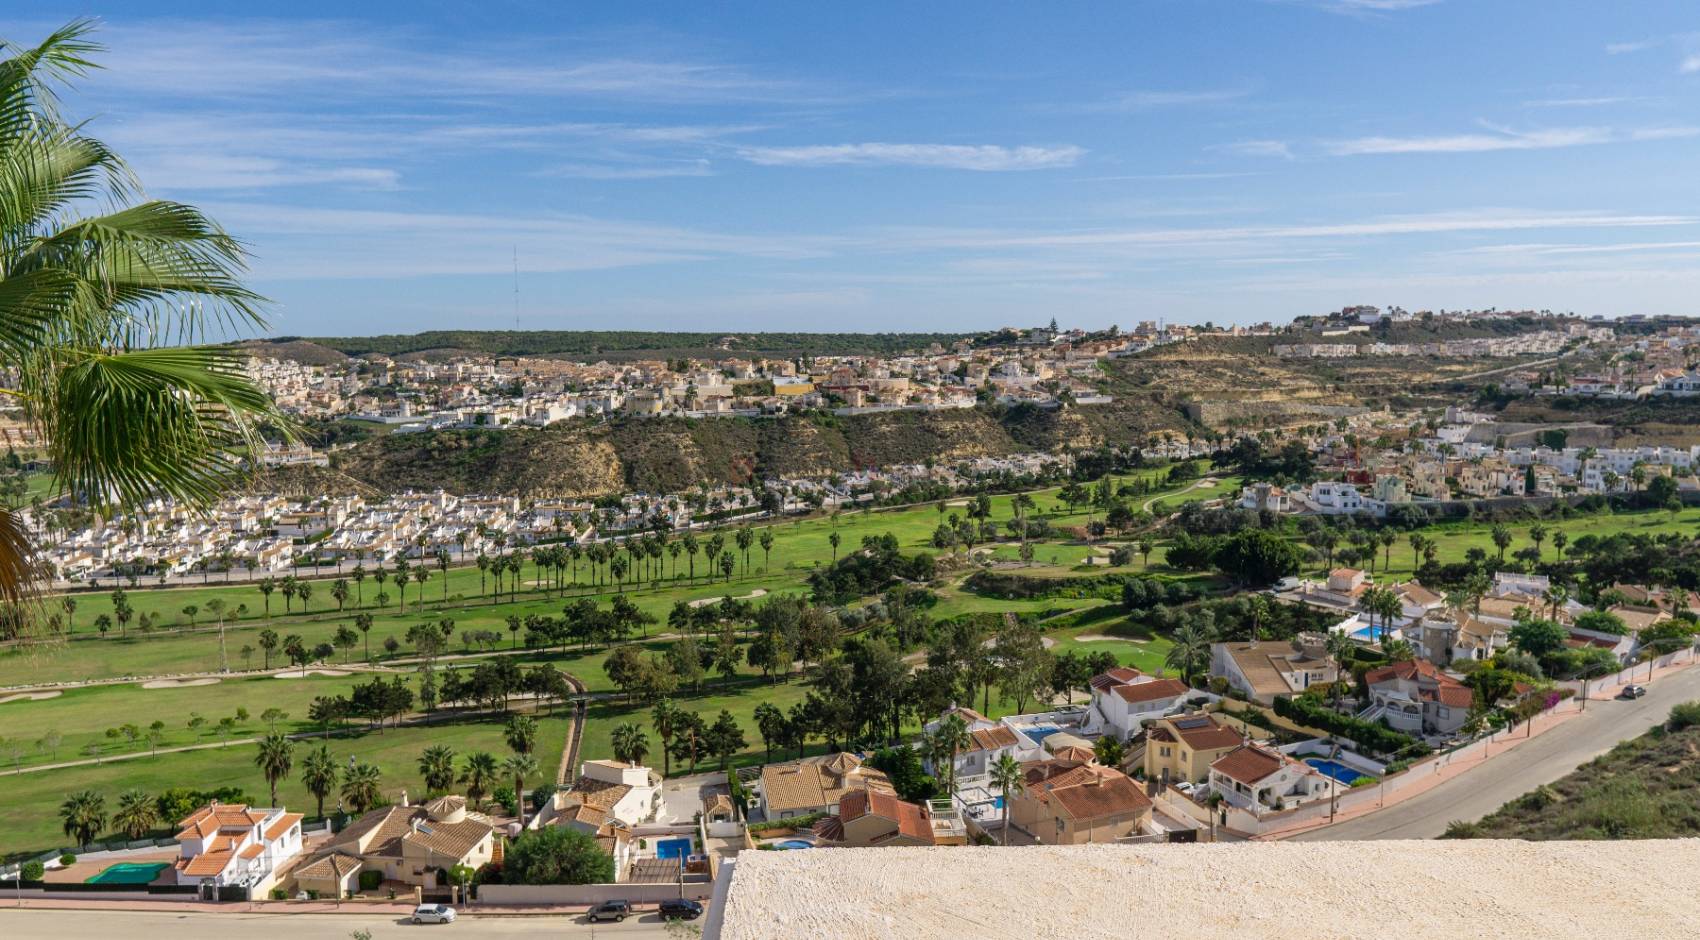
[
  {"x": 794, "y": 844},
  {"x": 1336, "y": 770},
  {"x": 1367, "y": 634},
  {"x": 129, "y": 873},
  {"x": 673, "y": 848},
  {"x": 1038, "y": 733}
]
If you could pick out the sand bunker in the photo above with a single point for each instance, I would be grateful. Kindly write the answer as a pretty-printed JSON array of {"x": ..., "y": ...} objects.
[
  {"x": 304, "y": 673},
  {"x": 178, "y": 683},
  {"x": 704, "y": 602},
  {"x": 1100, "y": 638},
  {"x": 30, "y": 696}
]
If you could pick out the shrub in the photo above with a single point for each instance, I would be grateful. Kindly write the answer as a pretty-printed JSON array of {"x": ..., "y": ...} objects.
[
  {"x": 1685, "y": 715},
  {"x": 794, "y": 822},
  {"x": 32, "y": 871},
  {"x": 278, "y": 894},
  {"x": 371, "y": 879},
  {"x": 68, "y": 859},
  {"x": 1461, "y": 829},
  {"x": 1375, "y": 737}
]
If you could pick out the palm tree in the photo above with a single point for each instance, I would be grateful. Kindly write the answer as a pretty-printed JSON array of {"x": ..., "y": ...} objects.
[
  {"x": 318, "y": 774},
  {"x": 437, "y": 766},
  {"x": 1011, "y": 780},
  {"x": 360, "y": 786},
  {"x": 83, "y": 815},
  {"x": 137, "y": 813},
  {"x": 521, "y": 733},
  {"x": 93, "y": 305},
  {"x": 477, "y": 775},
  {"x": 520, "y": 766},
  {"x": 948, "y": 740},
  {"x": 665, "y": 717},
  {"x": 1190, "y": 654},
  {"x": 275, "y": 758},
  {"x": 631, "y": 745}
]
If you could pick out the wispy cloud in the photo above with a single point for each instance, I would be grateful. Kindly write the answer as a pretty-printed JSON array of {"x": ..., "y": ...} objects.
[
  {"x": 1599, "y": 102},
  {"x": 1639, "y": 45},
  {"x": 1257, "y": 148},
  {"x": 1506, "y": 138},
  {"x": 275, "y": 57},
  {"x": 1690, "y": 65},
  {"x": 982, "y": 157},
  {"x": 1148, "y": 100},
  {"x": 638, "y": 171},
  {"x": 1362, "y": 7}
]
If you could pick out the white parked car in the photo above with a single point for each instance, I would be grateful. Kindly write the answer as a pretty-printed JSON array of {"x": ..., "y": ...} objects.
[{"x": 433, "y": 914}]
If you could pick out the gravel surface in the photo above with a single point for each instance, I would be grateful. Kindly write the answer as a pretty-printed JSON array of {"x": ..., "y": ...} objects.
[{"x": 1409, "y": 890}]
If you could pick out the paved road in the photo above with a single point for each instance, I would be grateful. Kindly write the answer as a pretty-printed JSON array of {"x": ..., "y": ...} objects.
[
  {"x": 104, "y": 925},
  {"x": 1483, "y": 789}
]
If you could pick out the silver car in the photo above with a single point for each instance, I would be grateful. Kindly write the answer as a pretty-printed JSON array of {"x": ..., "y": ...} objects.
[{"x": 433, "y": 914}]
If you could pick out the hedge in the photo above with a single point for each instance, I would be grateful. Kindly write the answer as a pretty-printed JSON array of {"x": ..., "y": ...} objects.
[
  {"x": 794, "y": 822},
  {"x": 1375, "y": 737}
]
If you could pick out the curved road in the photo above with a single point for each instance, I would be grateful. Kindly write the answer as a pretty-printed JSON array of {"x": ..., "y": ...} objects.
[{"x": 1555, "y": 753}]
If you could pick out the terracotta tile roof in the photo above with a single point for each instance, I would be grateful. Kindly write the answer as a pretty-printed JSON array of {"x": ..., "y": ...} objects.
[
  {"x": 968, "y": 715},
  {"x": 207, "y": 864},
  {"x": 253, "y": 851},
  {"x": 1085, "y": 791},
  {"x": 1075, "y": 752},
  {"x": 450, "y": 840},
  {"x": 332, "y": 866},
  {"x": 277, "y": 829},
  {"x": 830, "y": 828},
  {"x": 1419, "y": 595},
  {"x": 1150, "y": 691},
  {"x": 910, "y": 819},
  {"x": 1115, "y": 676},
  {"x": 812, "y": 783},
  {"x": 213, "y": 817},
  {"x": 1248, "y": 763},
  {"x": 1203, "y": 732},
  {"x": 990, "y": 739}
]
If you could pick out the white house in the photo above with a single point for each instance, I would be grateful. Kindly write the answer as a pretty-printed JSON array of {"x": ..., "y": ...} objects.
[
  {"x": 988, "y": 741},
  {"x": 1123, "y": 699},
  {"x": 606, "y": 791},
  {"x": 1265, "y": 669},
  {"x": 1260, "y": 778},
  {"x": 1414, "y": 696},
  {"x": 225, "y": 845}
]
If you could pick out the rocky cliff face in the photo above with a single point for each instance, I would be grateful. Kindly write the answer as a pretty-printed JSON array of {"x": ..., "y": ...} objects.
[{"x": 585, "y": 459}]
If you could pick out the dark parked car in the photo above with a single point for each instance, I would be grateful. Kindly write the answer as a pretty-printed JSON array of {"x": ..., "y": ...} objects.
[
  {"x": 610, "y": 910},
  {"x": 1632, "y": 691},
  {"x": 682, "y": 909}
]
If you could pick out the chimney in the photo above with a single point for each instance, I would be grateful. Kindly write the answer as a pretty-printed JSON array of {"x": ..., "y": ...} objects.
[{"x": 404, "y": 802}]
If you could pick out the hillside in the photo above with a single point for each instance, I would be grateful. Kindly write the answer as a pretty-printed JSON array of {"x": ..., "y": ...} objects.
[
  {"x": 629, "y": 344},
  {"x": 583, "y": 458},
  {"x": 1644, "y": 788}
]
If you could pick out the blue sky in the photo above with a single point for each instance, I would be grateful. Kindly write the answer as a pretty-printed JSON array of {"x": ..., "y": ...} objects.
[{"x": 890, "y": 166}]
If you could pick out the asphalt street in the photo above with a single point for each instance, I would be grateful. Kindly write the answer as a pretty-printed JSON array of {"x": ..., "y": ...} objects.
[
  {"x": 1488, "y": 786},
  {"x": 137, "y": 925}
]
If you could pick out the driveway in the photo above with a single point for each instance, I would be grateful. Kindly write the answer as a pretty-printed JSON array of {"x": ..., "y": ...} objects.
[{"x": 1483, "y": 789}]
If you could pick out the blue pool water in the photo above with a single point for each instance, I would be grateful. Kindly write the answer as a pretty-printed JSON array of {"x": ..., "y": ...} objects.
[
  {"x": 1038, "y": 733},
  {"x": 795, "y": 844},
  {"x": 672, "y": 848},
  {"x": 1367, "y": 634},
  {"x": 1335, "y": 769}
]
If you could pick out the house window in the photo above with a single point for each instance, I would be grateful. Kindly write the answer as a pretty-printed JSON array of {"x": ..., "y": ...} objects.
[{"x": 1165, "y": 752}]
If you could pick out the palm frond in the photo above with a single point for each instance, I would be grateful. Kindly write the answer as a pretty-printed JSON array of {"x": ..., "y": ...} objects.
[
  {"x": 20, "y": 567},
  {"x": 43, "y": 174},
  {"x": 180, "y": 422},
  {"x": 27, "y": 76}
]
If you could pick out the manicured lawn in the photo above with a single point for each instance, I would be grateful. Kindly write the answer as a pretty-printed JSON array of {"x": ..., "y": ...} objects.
[{"x": 28, "y": 810}]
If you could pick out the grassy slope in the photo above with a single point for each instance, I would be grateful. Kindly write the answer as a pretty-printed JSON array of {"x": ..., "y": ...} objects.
[{"x": 1644, "y": 788}]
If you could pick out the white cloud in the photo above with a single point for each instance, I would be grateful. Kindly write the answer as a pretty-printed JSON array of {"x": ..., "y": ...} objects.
[
  {"x": 206, "y": 59},
  {"x": 1500, "y": 138},
  {"x": 1152, "y": 100},
  {"x": 1624, "y": 48},
  {"x": 1257, "y": 148},
  {"x": 1690, "y": 65},
  {"x": 982, "y": 157}
]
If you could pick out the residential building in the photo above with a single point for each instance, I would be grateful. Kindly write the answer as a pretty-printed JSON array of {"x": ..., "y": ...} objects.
[
  {"x": 233, "y": 845},
  {"x": 406, "y": 844},
  {"x": 1264, "y": 669},
  {"x": 869, "y": 818},
  {"x": 1416, "y": 697},
  {"x": 1123, "y": 699},
  {"x": 816, "y": 784},
  {"x": 1181, "y": 748},
  {"x": 1260, "y": 778},
  {"x": 605, "y": 791},
  {"x": 1069, "y": 803}
]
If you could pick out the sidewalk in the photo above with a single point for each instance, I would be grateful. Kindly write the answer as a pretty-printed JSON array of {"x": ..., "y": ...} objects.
[{"x": 394, "y": 908}]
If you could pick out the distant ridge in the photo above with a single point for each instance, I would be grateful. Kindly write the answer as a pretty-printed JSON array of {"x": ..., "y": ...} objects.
[{"x": 624, "y": 344}]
